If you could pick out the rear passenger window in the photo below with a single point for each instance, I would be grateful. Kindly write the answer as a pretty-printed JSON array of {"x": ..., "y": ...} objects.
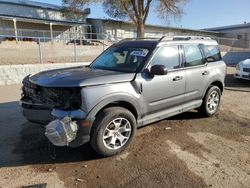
[
  {"x": 193, "y": 55},
  {"x": 167, "y": 56},
  {"x": 212, "y": 51}
]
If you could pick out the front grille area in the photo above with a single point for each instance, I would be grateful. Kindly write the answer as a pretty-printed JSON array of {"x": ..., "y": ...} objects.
[
  {"x": 246, "y": 76},
  {"x": 246, "y": 70},
  {"x": 61, "y": 98}
]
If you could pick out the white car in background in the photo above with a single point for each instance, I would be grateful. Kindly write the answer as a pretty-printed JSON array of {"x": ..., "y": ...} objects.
[{"x": 243, "y": 70}]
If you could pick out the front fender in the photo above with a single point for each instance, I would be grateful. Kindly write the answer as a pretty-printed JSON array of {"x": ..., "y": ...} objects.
[{"x": 115, "y": 97}]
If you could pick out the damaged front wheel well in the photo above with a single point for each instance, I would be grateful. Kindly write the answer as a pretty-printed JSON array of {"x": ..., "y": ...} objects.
[{"x": 123, "y": 104}]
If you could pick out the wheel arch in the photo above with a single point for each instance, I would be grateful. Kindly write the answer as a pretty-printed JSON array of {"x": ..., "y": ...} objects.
[
  {"x": 126, "y": 102},
  {"x": 217, "y": 83},
  {"x": 123, "y": 104}
]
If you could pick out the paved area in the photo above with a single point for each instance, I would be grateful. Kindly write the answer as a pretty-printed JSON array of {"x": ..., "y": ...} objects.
[{"x": 183, "y": 151}]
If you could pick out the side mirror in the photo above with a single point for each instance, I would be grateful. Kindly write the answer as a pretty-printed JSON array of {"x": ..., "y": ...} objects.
[
  {"x": 210, "y": 59},
  {"x": 158, "y": 70}
]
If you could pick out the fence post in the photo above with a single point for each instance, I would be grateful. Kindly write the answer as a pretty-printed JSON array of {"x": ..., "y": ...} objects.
[
  {"x": 75, "y": 50},
  {"x": 103, "y": 48},
  {"x": 40, "y": 51},
  {"x": 81, "y": 37},
  {"x": 51, "y": 32},
  {"x": 15, "y": 29},
  {"x": 232, "y": 45}
]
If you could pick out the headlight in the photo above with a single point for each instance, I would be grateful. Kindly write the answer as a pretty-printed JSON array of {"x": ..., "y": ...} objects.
[{"x": 238, "y": 66}]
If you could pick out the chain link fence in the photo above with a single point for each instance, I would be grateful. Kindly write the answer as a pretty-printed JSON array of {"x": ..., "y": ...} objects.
[
  {"x": 235, "y": 45},
  {"x": 60, "y": 49}
]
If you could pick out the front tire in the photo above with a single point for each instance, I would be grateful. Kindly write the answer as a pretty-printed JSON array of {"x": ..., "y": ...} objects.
[
  {"x": 211, "y": 101},
  {"x": 113, "y": 130}
]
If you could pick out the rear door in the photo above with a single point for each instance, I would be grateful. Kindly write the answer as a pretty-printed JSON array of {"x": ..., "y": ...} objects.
[{"x": 197, "y": 73}]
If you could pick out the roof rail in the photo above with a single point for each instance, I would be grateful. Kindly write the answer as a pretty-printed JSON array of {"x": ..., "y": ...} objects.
[
  {"x": 140, "y": 38},
  {"x": 169, "y": 38},
  {"x": 162, "y": 38},
  {"x": 191, "y": 37}
]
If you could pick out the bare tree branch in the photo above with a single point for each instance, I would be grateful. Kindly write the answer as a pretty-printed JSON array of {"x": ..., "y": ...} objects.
[
  {"x": 131, "y": 16},
  {"x": 136, "y": 10},
  {"x": 146, "y": 10}
]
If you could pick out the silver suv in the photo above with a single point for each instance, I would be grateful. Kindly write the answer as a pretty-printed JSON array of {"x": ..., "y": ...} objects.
[{"x": 133, "y": 83}]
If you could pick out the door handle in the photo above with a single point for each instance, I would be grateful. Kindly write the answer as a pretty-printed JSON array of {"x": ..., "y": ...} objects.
[
  {"x": 177, "y": 78},
  {"x": 205, "y": 73}
]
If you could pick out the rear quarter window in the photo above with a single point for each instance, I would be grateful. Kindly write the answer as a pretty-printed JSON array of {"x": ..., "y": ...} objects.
[{"x": 212, "y": 51}]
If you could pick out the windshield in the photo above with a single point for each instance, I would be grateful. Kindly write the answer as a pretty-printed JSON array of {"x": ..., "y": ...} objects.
[{"x": 123, "y": 59}]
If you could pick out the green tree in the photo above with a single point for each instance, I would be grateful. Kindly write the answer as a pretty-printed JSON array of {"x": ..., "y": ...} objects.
[{"x": 135, "y": 10}]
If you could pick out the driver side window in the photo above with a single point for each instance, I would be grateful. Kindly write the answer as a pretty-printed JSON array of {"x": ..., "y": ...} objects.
[{"x": 167, "y": 56}]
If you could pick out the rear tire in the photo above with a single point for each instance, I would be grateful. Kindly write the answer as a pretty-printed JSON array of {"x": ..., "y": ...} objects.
[
  {"x": 211, "y": 102},
  {"x": 113, "y": 130}
]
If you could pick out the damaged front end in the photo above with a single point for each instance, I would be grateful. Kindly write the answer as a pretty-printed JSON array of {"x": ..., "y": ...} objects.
[
  {"x": 52, "y": 97},
  {"x": 57, "y": 108},
  {"x": 61, "y": 132}
]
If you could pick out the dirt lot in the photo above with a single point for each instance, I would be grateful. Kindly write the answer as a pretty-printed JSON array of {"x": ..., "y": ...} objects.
[{"x": 191, "y": 152}]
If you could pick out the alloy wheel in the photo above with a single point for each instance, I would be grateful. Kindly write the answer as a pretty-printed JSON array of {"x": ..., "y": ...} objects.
[
  {"x": 117, "y": 133},
  {"x": 213, "y": 101}
]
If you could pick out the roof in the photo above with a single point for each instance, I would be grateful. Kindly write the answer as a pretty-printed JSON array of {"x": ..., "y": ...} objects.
[
  {"x": 193, "y": 41},
  {"x": 147, "y": 42},
  {"x": 32, "y": 4},
  {"x": 138, "y": 43},
  {"x": 156, "y": 26},
  {"x": 42, "y": 20},
  {"x": 229, "y": 27}
]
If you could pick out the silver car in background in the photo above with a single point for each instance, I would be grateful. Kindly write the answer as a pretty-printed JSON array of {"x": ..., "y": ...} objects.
[{"x": 243, "y": 70}]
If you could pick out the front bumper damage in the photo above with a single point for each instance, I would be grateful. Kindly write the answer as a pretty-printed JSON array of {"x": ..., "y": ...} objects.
[
  {"x": 59, "y": 109},
  {"x": 62, "y": 128},
  {"x": 61, "y": 132},
  {"x": 67, "y": 129}
]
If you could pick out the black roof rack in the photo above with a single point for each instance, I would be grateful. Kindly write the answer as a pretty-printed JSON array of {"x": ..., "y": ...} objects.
[
  {"x": 162, "y": 38},
  {"x": 141, "y": 38},
  {"x": 169, "y": 38},
  {"x": 191, "y": 37}
]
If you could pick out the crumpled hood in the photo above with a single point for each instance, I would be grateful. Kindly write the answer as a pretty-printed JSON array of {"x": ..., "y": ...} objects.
[{"x": 79, "y": 77}]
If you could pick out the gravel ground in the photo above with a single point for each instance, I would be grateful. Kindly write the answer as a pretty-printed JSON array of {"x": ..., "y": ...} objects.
[{"x": 182, "y": 151}]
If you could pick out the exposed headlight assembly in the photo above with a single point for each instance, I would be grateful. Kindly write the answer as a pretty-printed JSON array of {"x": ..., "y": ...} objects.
[{"x": 61, "y": 132}]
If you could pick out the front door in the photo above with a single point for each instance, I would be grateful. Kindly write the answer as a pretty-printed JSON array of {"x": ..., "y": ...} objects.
[{"x": 164, "y": 91}]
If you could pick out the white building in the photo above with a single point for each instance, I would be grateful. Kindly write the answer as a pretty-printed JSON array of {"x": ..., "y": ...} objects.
[
  {"x": 28, "y": 20},
  {"x": 121, "y": 29},
  {"x": 24, "y": 19},
  {"x": 240, "y": 32}
]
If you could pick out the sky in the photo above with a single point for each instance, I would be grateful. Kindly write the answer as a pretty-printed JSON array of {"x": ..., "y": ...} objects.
[{"x": 198, "y": 14}]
